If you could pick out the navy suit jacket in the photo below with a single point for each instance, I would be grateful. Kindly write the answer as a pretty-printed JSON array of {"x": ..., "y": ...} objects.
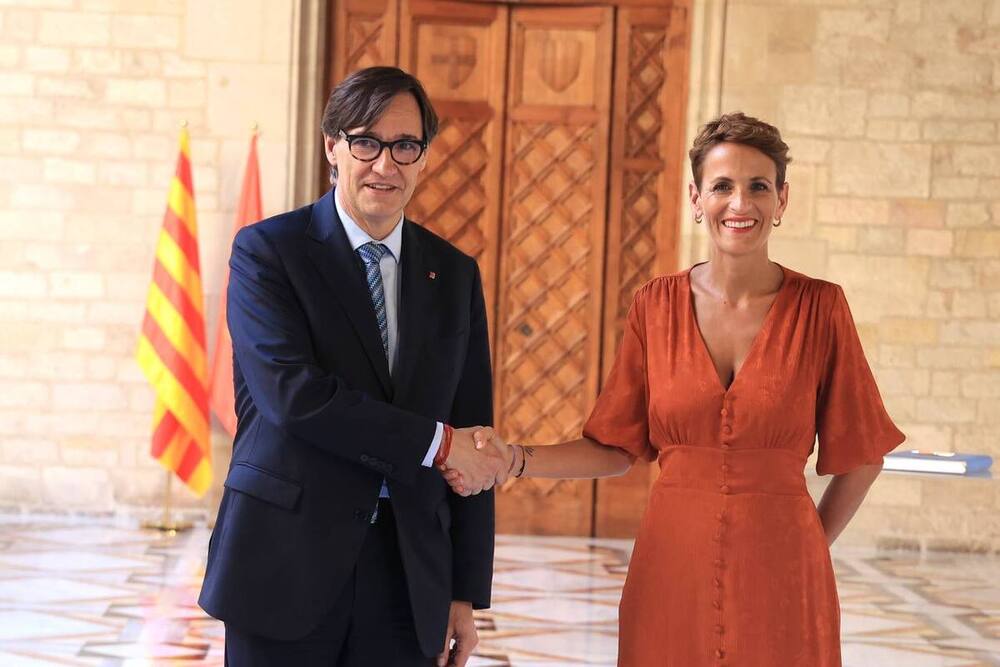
[{"x": 321, "y": 423}]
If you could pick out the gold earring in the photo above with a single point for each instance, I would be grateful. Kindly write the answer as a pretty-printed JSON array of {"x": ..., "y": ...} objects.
[
  {"x": 777, "y": 222},
  {"x": 697, "y": 219}
]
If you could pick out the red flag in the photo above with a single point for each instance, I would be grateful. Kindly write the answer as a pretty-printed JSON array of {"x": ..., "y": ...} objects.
[{"x": 221, "y": 396}]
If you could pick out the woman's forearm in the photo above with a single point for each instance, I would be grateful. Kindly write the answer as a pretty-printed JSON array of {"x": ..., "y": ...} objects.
[
  {"x": 579, "y": 459},
  {"x": 843, "y": 497}
]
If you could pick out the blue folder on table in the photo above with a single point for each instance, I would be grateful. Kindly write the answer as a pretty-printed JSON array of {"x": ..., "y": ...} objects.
[{"x": 940, "y": 462}]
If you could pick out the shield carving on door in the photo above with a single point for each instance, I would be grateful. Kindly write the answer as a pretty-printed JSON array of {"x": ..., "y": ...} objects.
[
  {"x": 559, "y": 65},
  {"x": 456, "y": 52}
]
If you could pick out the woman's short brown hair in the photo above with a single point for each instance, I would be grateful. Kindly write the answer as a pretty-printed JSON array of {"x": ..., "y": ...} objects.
[{"x": 738, "y": 128}]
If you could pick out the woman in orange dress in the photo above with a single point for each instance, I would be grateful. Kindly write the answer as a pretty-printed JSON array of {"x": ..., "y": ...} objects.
[{"x": 726, "y": 375}]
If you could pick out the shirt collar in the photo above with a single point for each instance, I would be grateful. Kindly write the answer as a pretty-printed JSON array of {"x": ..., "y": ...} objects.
[{"x": 357, "y": 237}]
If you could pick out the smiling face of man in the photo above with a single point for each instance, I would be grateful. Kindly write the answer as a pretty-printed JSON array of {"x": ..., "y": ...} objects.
[{"x": 374, "y": 193}]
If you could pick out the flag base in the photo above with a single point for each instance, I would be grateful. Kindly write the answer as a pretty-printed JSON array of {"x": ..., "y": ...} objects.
[
  {"x": 170, "y": 527},
  {"x": 166, "y": 523}
]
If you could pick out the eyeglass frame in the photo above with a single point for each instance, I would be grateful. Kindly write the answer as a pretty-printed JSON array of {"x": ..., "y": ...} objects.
[{"x": 382, "y": 145}]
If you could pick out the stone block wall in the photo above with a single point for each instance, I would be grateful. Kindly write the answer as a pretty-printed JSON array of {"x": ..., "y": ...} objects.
[{"x": 92, "y": 95}]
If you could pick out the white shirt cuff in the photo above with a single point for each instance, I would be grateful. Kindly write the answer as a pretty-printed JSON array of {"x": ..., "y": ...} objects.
[{"x": 435, "y": 446}]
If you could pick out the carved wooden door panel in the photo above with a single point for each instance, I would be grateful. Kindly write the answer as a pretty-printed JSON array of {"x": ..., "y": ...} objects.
[
  {"x": 459, "y": 53},
  {"x": 552, "y": 255},
  {"x": 363, "y": 33},
  {"x": 646, "y": 162}
]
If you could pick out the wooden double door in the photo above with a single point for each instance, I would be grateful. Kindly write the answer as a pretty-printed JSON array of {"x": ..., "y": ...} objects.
[{"x": 557, "y": 167}]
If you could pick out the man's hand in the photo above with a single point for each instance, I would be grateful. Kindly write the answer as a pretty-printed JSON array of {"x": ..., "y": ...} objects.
[
  {"x": 488, "y": 439},
  {"x": 461, "y": 628},
  {"x": 471, "y": 469}
]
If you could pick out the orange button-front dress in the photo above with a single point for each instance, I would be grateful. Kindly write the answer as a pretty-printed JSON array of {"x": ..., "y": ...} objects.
[{"x": 731, "y": 565}]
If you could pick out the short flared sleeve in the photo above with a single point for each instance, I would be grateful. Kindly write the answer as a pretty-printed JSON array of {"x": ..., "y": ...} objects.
[
  {"x": 620, "y": 416},
  {"x": 853, "y": 426}
]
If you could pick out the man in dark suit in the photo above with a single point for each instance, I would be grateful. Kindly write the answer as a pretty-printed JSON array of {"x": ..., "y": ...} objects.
[{"x": 359, "y": 340}]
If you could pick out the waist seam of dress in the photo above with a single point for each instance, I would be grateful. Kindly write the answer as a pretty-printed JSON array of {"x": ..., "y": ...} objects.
[
  {"x": 716, "y": 447},
  {"x": 671, "y": 485}
]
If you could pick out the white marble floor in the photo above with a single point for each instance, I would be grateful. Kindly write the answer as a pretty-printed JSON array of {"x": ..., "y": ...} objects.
[{"x": 89, "y": 592}]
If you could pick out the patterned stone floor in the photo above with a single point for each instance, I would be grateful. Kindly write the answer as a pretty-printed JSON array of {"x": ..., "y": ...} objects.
[{"x": 89, "y": 592}]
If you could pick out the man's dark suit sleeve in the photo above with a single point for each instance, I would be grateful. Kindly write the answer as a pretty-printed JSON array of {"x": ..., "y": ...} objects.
[
  {"x": 273, "y": 350},
  {"x": 473, "y": 524}
]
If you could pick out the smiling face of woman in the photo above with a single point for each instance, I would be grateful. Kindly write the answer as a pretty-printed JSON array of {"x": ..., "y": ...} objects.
[{"x": 738, "y": 198}]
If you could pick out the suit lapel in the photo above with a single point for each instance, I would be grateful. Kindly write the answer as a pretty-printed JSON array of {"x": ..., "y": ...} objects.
[
  {"x": 415, "y": 307},
  {"x": 338, "y": 264}
]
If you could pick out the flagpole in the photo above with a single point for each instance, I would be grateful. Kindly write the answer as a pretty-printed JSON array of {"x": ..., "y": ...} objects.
[{"x": 166, "y": 523}]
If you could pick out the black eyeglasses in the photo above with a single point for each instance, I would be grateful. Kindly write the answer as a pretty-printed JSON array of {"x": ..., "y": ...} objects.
[{"x": 367, "y": 149}]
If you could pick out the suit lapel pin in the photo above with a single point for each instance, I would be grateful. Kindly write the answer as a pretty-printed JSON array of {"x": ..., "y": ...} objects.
[{"x": 432, "y": 275}]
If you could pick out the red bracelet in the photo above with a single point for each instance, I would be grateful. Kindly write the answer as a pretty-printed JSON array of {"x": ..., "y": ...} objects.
[{"x": 445, "y": 449}]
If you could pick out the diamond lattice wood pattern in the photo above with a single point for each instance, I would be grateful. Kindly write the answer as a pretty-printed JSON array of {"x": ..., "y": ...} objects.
[
  {"x": 452, "y": 196},
  {"x": 646, "y": 77},
  {"x": 364, "y": 34},
  {"x": 547, "y": 283},
  {"x": 364, "y": 43},
  {"x": 644, "y": 123},
  {"x": 641, "y": 210}
]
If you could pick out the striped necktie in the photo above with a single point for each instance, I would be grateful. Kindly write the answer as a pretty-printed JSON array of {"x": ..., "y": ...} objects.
[{"x": 371, "y": 254}]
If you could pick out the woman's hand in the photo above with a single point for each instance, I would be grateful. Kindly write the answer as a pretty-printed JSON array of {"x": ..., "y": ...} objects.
[{"x": 483, "y": 437}]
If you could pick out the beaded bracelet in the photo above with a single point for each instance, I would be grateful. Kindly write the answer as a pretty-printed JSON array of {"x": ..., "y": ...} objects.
[
  {"x": 524, "y": 461},
  {"x": 445, "y": 449},
  {"x": 513, "y": 459}
]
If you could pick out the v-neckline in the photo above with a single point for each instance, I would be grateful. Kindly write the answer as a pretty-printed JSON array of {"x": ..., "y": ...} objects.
[{"x": 765, "y": 326}]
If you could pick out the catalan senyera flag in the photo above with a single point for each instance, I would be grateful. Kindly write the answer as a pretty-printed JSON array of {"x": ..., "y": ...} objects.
[
  {"x": 221, "y": 396},
  {"x": 171, "y": 348}
]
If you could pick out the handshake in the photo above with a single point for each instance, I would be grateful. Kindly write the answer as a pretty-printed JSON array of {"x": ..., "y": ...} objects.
[{"x": 478, "y": 460}]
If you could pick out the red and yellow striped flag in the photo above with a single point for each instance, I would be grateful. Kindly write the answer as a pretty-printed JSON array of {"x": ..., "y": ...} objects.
[{"x": 171, "y": 347}]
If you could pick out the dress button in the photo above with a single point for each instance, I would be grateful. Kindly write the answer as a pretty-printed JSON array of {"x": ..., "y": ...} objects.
[
  {"x": 720, "y": 516},
  {"x": 725, "y": 467},
  {"x": 723, "y": 412},
  {"x": 724, "y": 488},
  {"x": 718, "y": 562},
  {"x": 720, "y": 653},
  {"x": 726, "y": 445},
  {"x": 727, "y": 429},
  {"x": 719, "y": 629},
  {"x": 717, "y": 604}
]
